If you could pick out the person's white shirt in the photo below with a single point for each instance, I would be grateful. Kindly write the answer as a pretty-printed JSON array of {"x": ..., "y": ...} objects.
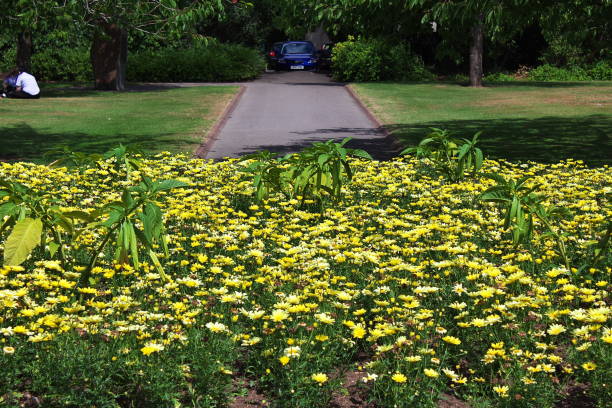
[{"x": 28, "y": 84}]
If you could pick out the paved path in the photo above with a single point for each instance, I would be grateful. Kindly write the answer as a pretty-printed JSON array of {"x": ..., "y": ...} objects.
[{"x": 287, "y": 111}]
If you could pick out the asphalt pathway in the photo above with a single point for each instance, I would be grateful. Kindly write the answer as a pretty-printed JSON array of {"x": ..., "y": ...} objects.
[{"x": 286, "y": 111}]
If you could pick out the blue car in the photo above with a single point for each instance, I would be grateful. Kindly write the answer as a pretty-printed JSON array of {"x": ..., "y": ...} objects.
[{"x": 297, "y": 55}]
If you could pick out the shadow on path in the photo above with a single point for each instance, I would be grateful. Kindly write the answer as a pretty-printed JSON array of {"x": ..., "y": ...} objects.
[{"x": 384, "y": 148}]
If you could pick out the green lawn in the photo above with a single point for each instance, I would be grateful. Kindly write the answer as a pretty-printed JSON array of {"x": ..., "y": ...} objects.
[
  {"x": 176, "y": 120},
  {"x": 544, "y": 122}
]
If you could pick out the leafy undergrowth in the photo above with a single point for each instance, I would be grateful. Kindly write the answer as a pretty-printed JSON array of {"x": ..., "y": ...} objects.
[{"x": 409, "y": 286}]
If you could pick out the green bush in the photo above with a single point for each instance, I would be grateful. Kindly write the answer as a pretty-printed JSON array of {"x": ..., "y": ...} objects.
[
  {"x": 499, "y": 77},
  {"x": 55, "y": 64},
  {"x": 213, "y": 62},
  {"x": 63, "y": 64},
  {"x": 549, "y": 72},
  {"x": 375, "y": 60},
  {"x": 601, "y": 71}
]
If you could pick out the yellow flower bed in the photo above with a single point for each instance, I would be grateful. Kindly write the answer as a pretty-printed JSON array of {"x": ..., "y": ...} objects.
[{"x": 410, "y": 271}]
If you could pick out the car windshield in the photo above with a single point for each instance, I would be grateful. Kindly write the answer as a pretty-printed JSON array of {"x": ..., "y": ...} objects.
[{"x": 297, "y": 48}]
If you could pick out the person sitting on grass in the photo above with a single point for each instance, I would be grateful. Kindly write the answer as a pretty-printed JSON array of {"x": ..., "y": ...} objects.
[
  {"x": 26, "y": 86},
  {"x": 10, "y": 79}
]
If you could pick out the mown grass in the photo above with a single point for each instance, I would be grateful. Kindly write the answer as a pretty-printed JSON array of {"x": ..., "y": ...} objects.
[
  {"x": 544, "y": 122},
  {"x": 173, "y": 120}
]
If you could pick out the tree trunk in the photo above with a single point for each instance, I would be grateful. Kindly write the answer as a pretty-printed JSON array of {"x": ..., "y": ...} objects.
[
  {"x": 109, "y": 57},
  {"x": 476, "y": 52},
  {"x": 24, "y": 51}
]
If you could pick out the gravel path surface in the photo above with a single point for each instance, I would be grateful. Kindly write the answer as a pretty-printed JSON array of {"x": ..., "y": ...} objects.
[{"x": 286, "y": 111}]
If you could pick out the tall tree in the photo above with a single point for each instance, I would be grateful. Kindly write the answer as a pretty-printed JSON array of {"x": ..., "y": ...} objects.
[
  {"x": 22, "y": 18},
  {"x": 473, "y": 20},
  {"x": 497, "y": 19},
  {"x": 111, "y": 20}
]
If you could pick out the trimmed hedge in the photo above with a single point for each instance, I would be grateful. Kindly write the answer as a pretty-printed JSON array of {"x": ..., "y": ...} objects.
[
  {"x": 376, "y": 60},
  {"x": 214, "y": 62},
  {"x": 64, "y": 64}
]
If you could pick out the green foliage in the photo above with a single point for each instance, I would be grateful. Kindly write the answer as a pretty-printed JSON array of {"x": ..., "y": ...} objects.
[
  {"x": 62, "y": 64},
  {"x": 499, "y": 77},
  {"x": 317, "y": 172},
  {"x": 134, "y": 222},
  {"x": 521, "y": 204},
  {"x": 548, "y": 72},
  {"x": 358, "y": 61},
  {"x": 320, "y": 170},
  {"x": 111, "y": 372},
  {"x": 600, "y": 71},
  {"x": 268, "y": 175},
  {"x": 57, "y": 63},
  {"x": 212, "y": 62},
  {"x": 449, "y": 155},
  {"x": 125, "y": 157},
  {"x": 72, "y": 159},
  {"x": 32, "y": 218},
  {"x": 373, "y": 60},
  {"x": 137, "y": 207},
  {"x": 23, "y": 239},
  {"x": 561, "y": 53}
]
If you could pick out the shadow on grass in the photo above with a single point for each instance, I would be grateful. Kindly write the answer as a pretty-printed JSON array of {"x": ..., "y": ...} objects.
[
  {"x": 547, "y": 139},
  {"x": 538, "y": 84},
  {"x": 23, "y": 143},
  {"x": 82, "y": 90}
]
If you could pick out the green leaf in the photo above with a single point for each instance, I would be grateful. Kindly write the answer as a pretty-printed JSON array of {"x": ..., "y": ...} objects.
[
  {"x": 113, "y": 217},
  {"x": 408, "y": 150},
  {"x": 117, "y": 152},
  {"x": 133, "y": 244},
  {"x": 79, "y": 215},
  {"x": 497, "y": 177},
  {"x": 6, "y": 209},
  {"x": 127, "y": 199},
  {"x": 463, "y": 150},
  {"x": 53, "y": 247},
  {"x": 24, "y": 237},
  {"x": 151, "y": 218},
  {"x": 168, "y": 185},
  {"x": 361, "y": 153},
  {"x": 158, "y": 265},
  {"x": 322, "y": 159},
  {"x": 479, "y": 159},
  {"x": 495, "y": 193}
]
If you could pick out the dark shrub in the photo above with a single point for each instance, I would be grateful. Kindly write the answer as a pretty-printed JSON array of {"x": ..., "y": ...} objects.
[
  {"x": 214, "y": 62},
  {"x": 62, "y": 64}
]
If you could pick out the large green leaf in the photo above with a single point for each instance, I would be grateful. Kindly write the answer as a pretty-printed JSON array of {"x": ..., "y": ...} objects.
[
  {"x": 23, "y": 239},
  {"x": 168, "y": 185},
  {"x": 7, "y": 209},
  {"x": 361, "y": 153}
]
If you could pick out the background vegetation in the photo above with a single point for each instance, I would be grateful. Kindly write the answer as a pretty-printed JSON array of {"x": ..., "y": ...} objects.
[{"x": 569, "y": 40}]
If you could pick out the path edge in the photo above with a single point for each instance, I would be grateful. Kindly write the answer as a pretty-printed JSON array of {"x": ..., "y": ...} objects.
[
  {"x": 390, "y": 137},
  {"x": 213, "y": 134}
]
